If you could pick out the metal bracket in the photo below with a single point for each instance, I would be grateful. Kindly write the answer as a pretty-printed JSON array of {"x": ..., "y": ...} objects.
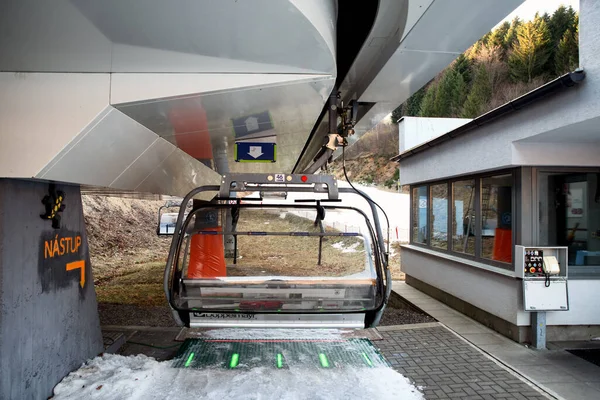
[{"x": 279, "y": 183}]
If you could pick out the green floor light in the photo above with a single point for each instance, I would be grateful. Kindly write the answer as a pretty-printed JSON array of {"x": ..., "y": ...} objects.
[
  {"x": 324, "y": 361},
  {"x": 235, "y": 359},
  {"x": 189, "y": 360},
  {"x": 367, "y": 359},
  {"x": 279, "y": 360}
]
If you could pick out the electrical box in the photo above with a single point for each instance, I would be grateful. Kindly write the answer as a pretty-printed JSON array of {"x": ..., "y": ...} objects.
[
  {"x": 544, "y": 271},
  {"x": 531, "y": 261}
]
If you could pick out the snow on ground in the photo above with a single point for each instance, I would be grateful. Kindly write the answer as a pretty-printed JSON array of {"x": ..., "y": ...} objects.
[
  {"x": 349, "y": 249},
  {"x": 117, "y": 377}
]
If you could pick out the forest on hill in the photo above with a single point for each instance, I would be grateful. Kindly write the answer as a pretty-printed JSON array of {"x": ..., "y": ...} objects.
[{"x": 507, "y": 62}]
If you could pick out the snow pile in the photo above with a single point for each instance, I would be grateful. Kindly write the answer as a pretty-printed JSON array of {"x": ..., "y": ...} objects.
[
  {"x": 349, "y": 249},
  {"x": 139, "y": 377}
]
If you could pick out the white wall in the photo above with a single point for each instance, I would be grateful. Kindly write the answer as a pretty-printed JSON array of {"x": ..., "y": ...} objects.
[
  {"x": 497, "y": 294},
  {"x": 41, "y": 113},
  {"x": 584, "y": 298},
  {"x": 500, "y": 295},
  {"x": 414, "y": 131}
]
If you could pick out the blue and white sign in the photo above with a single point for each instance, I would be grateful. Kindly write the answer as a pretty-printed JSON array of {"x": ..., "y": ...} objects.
[
  {"x": 251, "y": 124},
  {"x": 255, "y": 152}
]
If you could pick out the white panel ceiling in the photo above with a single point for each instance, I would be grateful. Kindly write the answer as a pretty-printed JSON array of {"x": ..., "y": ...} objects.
[{"x": 162, "y": 36}]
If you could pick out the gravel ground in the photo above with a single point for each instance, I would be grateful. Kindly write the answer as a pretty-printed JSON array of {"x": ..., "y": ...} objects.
[
  {"x": 402, "y": 316},
  {"x": 127, "y": 315}
]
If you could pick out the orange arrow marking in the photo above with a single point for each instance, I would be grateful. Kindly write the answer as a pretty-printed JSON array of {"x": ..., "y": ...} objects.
[{"x": 81, "y": 265}]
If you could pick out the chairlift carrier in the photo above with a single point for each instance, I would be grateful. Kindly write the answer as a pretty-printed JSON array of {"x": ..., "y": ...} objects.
[{"x": 208, "y": 282}]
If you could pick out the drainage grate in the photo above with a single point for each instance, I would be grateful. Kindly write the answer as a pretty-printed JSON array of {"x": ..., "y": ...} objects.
[{"x": 278, "y": 353}]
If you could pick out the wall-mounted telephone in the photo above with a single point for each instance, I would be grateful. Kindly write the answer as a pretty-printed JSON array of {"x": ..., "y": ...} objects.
[{"x": 551, "y": 265}]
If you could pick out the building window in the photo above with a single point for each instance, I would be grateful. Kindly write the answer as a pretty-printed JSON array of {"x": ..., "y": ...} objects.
[
  {"x": 496, "y": 218},
  {"x": 471, "y": 217},
  {"x": 439, "y": 216},
  {"x": 569, "y": 215},
  {"x": 419, "y": 214},
  {"x": 464, "y": 220}
]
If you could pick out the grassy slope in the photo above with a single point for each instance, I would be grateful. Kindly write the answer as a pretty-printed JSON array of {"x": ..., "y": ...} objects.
[{"x": 125, "y": 274}]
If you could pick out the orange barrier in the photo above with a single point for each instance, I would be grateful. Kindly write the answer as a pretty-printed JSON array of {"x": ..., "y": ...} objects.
[
  {"x": 503, "y": 245},
  {"x": 207, "y": 256}
]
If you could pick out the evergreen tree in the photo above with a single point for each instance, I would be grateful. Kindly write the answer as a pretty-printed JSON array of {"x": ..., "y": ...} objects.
[
  {"x": 472, "y": 51},
  {"x": 413, "y": 104},
  {"x": 480, "y": 94},
  {"x": 446, "y": 97},
  {"x": 530, "y": 52},
  {"x": 410, "y": 107},
  {"x": 462, "y": 65},
  {"x": 427, "y": 105},
  {"x": 498, "y": 38},
  {"x": 511, "y": 34},
  {"x": 548, "y": 49},
  {"x": 442, "y": 104},
  {"x": 567, "y": 54},
  {"x": 486, "y": 38},
  {"x": 563, "y": 20}
]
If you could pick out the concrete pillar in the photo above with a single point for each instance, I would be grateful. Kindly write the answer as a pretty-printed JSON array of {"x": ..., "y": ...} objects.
[
  {"x": 49, "y": 321},
  {"x": 538, "y": 330}
]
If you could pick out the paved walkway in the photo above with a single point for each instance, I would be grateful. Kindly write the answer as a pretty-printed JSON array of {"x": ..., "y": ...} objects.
[
  {"x": 445, "y": 366},
  {"x": 557, "y": 372}
]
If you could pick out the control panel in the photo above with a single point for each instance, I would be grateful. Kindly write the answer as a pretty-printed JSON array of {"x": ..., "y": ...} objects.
[{"x": 533, "y": 263}]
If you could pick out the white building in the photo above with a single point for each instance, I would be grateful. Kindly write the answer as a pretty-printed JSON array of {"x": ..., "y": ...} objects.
[{"x": 527, "y": 173}]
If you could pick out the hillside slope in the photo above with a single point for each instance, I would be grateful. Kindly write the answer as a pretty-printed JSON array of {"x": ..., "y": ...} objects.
[
  {"x": 368, "y": 160},
  {"x": 122, "y": 232}
]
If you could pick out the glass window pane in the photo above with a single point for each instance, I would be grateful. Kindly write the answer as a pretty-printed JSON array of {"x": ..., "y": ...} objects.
[
  {"x": 463, "y": 217},
  {"x": 496, "y": 218},
  {"x": 569, "y": 215},
  {"x": 419, "y": 215},
  {"x": 439, "y": 216}
]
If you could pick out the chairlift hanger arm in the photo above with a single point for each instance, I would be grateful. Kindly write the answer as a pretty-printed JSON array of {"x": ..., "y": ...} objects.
[{"x": 338, "y": 132}]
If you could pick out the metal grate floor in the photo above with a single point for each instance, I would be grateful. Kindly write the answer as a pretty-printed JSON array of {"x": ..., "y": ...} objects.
[{"x": 278, "y": 353}]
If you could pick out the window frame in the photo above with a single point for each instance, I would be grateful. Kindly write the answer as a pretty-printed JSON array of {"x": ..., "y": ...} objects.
[{"x": 477, "y": 178}]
